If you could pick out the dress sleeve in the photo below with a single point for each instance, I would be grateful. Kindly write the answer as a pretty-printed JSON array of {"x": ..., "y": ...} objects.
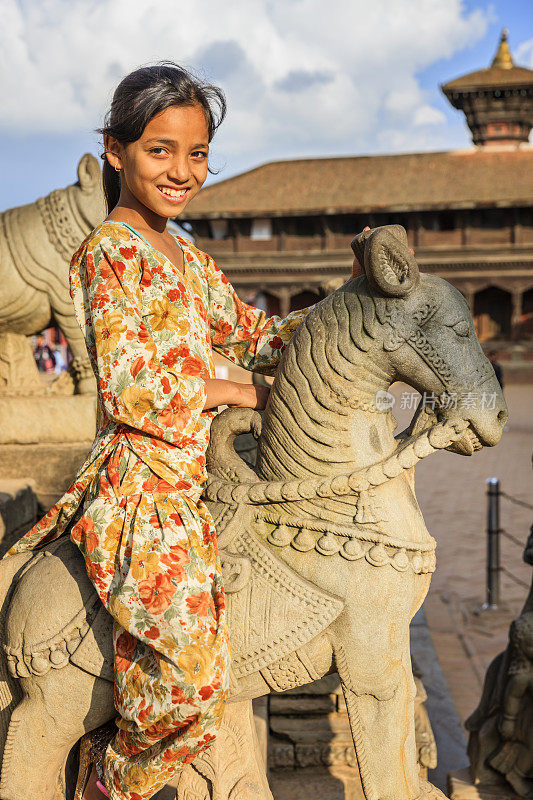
[
  {"x": 136, "y": 389},
  {"x": 242, "y": 333}
]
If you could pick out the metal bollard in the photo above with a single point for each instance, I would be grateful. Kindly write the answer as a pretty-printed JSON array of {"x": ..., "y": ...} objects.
[{"x": 493, "y": 544}]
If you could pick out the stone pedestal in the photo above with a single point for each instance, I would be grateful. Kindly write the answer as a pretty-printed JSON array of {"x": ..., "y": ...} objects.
[
  {"x": 18, "y": 511},
  {"x": 461, "y": 786},
  {"x": 316, "y": 783},
  {"x": 45, "y": 430},
  {"x": 45, "y": 439}
]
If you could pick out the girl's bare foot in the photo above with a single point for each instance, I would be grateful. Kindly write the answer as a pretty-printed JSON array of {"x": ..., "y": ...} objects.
[{"x": 91, "y": 791}]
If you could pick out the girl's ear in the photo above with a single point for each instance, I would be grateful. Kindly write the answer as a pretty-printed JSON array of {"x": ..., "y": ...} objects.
[{"x": 112, "y": 150}]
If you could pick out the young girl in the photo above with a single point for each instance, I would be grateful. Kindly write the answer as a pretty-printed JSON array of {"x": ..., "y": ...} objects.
[{"x": 152, "y": 309}]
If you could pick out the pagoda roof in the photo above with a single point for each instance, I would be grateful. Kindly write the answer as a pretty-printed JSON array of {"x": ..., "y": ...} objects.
[
  {"x": 502, "y": 72},
  {"x": 491, "y": 77},
  {"x": 361, "y": 184}
]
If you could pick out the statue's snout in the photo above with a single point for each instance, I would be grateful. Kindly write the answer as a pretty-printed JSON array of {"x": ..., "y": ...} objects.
[{"x": 486, "y": 412}]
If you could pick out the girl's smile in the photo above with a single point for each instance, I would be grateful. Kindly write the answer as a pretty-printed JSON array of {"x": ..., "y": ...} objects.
[{"x": 174, "y": 195}]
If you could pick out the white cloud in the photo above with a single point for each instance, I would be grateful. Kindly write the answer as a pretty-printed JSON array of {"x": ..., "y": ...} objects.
[
  {"x": 301, "y": 76},
  {"x": 428, "y": 115},
  {"x": 524, "y": 54}
]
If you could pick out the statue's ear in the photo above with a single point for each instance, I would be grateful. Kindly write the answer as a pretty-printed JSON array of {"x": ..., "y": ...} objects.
[
  {"x": 390, "y": 267},
  {"x": 358, "y": 246},
  {"x": 89, "y": 172}
]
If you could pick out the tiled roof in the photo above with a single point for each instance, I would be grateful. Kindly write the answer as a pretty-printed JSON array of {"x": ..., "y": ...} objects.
[
  {"x": 491, "y": 76},
  {"x": 416, "y": 181}
]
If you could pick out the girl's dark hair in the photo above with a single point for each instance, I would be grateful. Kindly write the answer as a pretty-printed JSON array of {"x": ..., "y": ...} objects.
[{"x": 143, "y": 94}]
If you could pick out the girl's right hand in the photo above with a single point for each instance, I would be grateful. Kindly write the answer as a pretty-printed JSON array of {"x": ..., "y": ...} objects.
[
  {"x": 236, "y": 395},
  {"x": 251, "y": 396}
]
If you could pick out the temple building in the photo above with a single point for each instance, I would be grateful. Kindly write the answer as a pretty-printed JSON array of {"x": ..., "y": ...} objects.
[{"x": 281, "y": 232}]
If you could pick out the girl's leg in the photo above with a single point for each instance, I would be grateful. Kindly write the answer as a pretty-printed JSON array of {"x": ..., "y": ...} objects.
[
  {"x": 154, "y": 562},
  {"x": 149, "y": 749}
]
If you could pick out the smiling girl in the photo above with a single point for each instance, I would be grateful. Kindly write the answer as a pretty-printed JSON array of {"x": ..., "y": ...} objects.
[{"x": 152, "y": 309}]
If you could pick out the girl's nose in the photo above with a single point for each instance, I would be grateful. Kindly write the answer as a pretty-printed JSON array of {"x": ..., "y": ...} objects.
[{"x": 180, "y": 170}]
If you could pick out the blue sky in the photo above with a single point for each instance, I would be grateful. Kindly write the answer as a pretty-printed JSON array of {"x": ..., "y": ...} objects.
[{"x": 303, "y": 78}]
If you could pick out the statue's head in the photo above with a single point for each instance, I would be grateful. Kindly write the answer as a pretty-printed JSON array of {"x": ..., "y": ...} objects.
[
  {"x": 428, "y": 335},
  {"x": 521, "y": 635},
  {"x": 87, "y": 195}
]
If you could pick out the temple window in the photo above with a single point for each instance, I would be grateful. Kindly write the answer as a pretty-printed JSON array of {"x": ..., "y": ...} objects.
[
  {"x": 301, "y": 226},
  {"x": 493, "y": 218},
  {"x": 219, "y": 228},
  {"x": 261, "y": 229},
  {"x": 492, "y": 313},
  {"x": 305, "y": 299},
  {"x": 347, "y": 224}
]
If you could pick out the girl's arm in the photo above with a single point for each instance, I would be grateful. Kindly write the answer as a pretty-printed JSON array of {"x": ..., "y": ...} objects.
[
  {"x": 230, "y": 393},
  {"x": 242, "y": 333},
  {"x": 136, "y": 388}
]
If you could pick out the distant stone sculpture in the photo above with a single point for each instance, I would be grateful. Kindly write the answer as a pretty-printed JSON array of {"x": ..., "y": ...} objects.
[
  {"x": 500, "y": 746},
  {"x": 325, "y": 553},
  {"x": 37, "y": 242},
  {"x": 18, "y": 371},
  {"x": 19, "y": 376}
]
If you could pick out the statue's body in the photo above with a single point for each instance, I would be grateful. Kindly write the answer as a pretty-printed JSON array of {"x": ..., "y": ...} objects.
[
  {"x": 325, "y": 553},
  {"x": 501, "y": 728},
  {"x": 37, "y": 242}
]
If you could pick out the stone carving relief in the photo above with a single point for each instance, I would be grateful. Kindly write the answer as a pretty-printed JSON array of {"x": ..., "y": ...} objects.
[
  {"x": 500, "y": 745},
  {"x": 330, "y": 477},
  {"x": 37, "y": 242}
]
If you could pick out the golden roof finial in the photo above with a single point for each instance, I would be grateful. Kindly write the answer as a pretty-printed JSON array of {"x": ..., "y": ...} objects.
[{"x": 503, "y": 58}]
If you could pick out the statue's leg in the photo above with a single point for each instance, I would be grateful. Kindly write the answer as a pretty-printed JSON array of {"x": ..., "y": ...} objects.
[
  {"x": 81, "y": 366},
  {"x": 55, "y": 711},
  {"x": 372, "y": 654},
  {"x": 233, "y": 767}
]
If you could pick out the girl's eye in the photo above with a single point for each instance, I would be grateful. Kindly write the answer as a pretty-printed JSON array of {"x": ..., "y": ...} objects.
[
  {"x": 199, "y": 154},
  {"x": 158, "y": 151}
]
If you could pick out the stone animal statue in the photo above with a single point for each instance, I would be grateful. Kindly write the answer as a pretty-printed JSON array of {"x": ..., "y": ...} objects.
[
  {"x": 325, "y": 553},
  {"x": 500, "y": 745},
  {"x": 37, "y": 242}
]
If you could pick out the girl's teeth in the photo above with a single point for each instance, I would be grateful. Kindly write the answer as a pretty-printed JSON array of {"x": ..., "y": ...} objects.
[{"x": 173, "y": 192}]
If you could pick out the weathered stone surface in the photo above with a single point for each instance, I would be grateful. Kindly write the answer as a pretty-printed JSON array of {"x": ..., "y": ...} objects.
[
  {"x": 33, "y": 420},
  {"x": 461, "y": 786},
  {"x": 18, "y": 511},
  {"x": 302, "y": 705},
  {"x": 37, "y": 242},
  {"x": 317, "y": 784},
  {"x": 45, "y": 430},
  {"x": 51, "y": 466},
  {"x": 325, "y": 553}
]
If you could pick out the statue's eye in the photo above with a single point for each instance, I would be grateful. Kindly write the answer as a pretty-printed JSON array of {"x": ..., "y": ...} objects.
[{"x": 461, "y": 328}]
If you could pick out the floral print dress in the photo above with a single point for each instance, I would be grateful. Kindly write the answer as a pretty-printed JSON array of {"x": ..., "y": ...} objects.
[{"x": 135, "y": 508}]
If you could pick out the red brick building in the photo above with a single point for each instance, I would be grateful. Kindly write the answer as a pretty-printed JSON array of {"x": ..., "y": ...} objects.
[{"x": 281, "y": 232}]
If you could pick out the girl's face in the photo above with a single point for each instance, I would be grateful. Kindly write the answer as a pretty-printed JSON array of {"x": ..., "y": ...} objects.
[{"x": 164, "y": 169}]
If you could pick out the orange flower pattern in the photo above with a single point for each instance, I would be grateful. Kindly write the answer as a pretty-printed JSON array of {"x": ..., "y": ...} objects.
[{"x": 135, "y": 508}]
